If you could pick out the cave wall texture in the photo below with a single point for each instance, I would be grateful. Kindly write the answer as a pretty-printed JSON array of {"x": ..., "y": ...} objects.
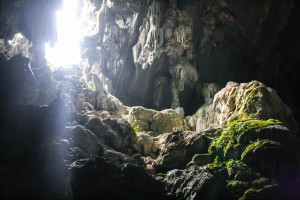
[{"x": 160, "y": 54}]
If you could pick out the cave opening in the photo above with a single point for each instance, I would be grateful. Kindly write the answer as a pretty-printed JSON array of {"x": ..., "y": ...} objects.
[{"x": 74, "y": 21}]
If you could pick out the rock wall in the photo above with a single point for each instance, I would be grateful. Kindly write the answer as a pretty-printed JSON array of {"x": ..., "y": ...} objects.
[{"x": 160, "y": 54}]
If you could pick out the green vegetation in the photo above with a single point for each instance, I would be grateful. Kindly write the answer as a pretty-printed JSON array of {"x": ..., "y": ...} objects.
[
  {"x": 231, "y": 134},
  {"x": 245, "y": 98},
  {"x": 136, "y": 128},
  {"x": 259, "y": 144}
]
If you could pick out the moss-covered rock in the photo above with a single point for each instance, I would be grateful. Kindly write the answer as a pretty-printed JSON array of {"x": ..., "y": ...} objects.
[
  {"x": 244, "y": 101},
  {"x": 267, "y": 192},
  {"x": 228, "y": 145},
  {"x": 202, "y": 159}
]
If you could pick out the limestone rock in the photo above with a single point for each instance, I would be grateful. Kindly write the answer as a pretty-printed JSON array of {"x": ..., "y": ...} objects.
[
  {"x": 84, "y": 143},
  {"x": 178, "y": 148},
  {"x": 158, "y": 121},
  {"x": 243, "y": 101},
  {"x": 164, "y": 121},
  {"x": 193, "y": 183},
  {"x": 97, "y": 96},
  {"x": 143, "y": 144},
  {"x": 123, "y": 133},
  {"x": 208, "y": 91}
]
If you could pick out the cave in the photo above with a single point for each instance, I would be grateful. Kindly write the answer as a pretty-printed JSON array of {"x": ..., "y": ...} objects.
[{"x": 156, "y": 99}]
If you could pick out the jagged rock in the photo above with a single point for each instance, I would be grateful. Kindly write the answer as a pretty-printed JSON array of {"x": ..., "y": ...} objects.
[
  {"x": 97, "y": 96},
  {"x": 158, "y": 121},
  {"x": 84, "y": 143},
  {"x": 96, "y": 178},
  {"x": 143, "y": 144},
  {"x": 193, "y": 183},
  {"x": 124, "y": 132},
  {"x": 116, "y": 133},
  {"x": 208, "y": 91},
  {"x": 178, "y": 148},
  {"x": 180, "y": 112},
  {"x": 159, "y": 57},
  {"x": 242, "y": 101}
]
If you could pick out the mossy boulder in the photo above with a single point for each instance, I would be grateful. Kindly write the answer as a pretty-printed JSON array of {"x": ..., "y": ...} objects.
[
  {"x": 265, "y": 145},
  {"x": 201, "y": 159},
  {"x": 270, "y": 158},
  {"x": 228, "y": 145},
  {"x": 244, "y": 101},
  {"x": 267, "y": 192}
]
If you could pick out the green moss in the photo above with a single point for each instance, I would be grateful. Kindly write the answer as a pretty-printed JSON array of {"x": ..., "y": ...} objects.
[
  {"x": 161, "y": 174},
  {"x": 260, "y": 182},
  {"x": 231, "y": 133},
  {"x": 202, "y": 159},
  {"x": 263, "y": 193},
  {"x": 245, "y": 99},
  {"x": 238, "y": 170},
  {"x": 237, "y": 188},
  {"x": 160, "y": 159},
  {"x": 259, "y": 144}
]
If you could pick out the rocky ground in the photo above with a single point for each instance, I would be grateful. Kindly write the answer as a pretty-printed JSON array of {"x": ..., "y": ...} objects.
[
  {"x": 188, "y": 131},
  {"x": 242, "y": 144}
]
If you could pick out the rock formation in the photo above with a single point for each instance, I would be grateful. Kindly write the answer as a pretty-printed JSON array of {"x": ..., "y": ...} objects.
[{"x": 172, "y": 100}]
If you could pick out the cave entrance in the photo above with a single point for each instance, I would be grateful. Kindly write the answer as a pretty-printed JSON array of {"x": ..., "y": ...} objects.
[{"x": 76, "y": 20}]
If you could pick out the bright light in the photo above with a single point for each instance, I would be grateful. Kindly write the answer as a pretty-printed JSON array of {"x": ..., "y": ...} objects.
[{"x": 72, "y": 25}]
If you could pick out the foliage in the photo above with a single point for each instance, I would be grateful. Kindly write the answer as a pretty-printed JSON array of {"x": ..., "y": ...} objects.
[
  {"x": 231, "y": 133},
  {"x": 255, "y": 146},
  {"x": 136, "y": 128}
]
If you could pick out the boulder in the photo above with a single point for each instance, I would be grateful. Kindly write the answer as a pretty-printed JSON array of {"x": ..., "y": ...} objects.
[
  {"x": 193, "y": 183},
  {"x": 141, "y": 116},
  {"x": 123, "y": 131},
  {"x": 164, "y": 121},
  {"x": 143, "y": 144},
  {"x": 158, "y": 121},
  {"x": 97, "y": 178},
  {"x": 178, "y": 148},
  {"x": 244, "y": 101},
  {"x": 84, "y": 143}
]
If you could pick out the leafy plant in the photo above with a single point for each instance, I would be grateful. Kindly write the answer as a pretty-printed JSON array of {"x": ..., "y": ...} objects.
[{"x": 136, "y": 128}]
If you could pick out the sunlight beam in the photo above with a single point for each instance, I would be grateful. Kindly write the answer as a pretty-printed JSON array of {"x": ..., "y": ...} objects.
[{"x": 75, "y": 20}]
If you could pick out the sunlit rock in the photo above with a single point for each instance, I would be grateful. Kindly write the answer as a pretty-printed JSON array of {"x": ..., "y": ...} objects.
[
  {"x": 244, "y": 101},
  {"x": 157, "y": 121}
]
